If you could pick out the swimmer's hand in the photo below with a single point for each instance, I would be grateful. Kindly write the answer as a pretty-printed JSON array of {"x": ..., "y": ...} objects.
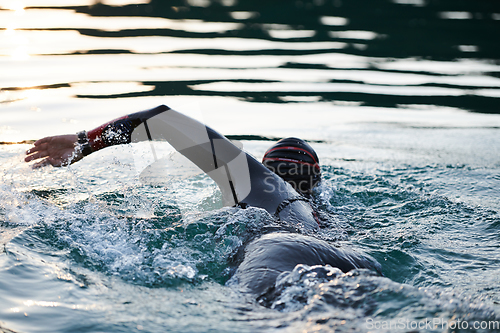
[{"x": 59, "y": 150}]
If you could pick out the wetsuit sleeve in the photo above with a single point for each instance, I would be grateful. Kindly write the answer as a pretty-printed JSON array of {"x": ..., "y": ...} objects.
[
  {"x": 119, "y": 131},
  {"x": 242, "y": 179}
]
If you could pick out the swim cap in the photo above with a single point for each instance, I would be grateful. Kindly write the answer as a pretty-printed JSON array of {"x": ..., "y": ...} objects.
[{"x": 296, "y": 162}]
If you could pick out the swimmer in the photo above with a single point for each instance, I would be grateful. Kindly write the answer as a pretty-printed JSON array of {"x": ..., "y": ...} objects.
[{"x": 282, "y": 185}]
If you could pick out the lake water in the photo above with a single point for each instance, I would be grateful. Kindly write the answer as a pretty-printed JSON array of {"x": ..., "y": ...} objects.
[{"x": 401, "y": 100}]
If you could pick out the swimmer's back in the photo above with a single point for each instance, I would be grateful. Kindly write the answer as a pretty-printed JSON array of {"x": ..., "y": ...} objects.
[{"x": 270, "y": 255}]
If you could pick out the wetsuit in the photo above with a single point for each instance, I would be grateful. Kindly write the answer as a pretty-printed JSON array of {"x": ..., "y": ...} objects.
[{"x": 243, "y": 182}]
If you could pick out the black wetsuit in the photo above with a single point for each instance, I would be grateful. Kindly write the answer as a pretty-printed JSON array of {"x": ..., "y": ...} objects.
[{"x": 244, "y": 182}]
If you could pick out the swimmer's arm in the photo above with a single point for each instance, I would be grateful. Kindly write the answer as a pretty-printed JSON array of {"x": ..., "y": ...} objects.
[
  {"x": 205, "y": 147},
  {"x": 241, "y": 178},
  {"x": 63, "y": 150}
]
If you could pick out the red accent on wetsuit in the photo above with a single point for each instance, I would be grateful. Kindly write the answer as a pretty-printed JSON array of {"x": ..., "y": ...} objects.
[{"x": 95, "y": 136}]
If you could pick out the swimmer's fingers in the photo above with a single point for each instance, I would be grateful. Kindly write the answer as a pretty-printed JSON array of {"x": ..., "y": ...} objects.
[
  {"x": 42, "y": 141},
  {"x": 55, "y": 162},
  {"x": 39, "y": 145},
  {"x": 40, "y": 164},
  {"x": 33, "y": 149},
  {"x": 37, "y": 155}
]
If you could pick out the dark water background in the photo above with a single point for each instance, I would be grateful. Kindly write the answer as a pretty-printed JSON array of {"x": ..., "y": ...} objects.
[
  {"x": 400, "y": 99},
  {"x": 420, "y": 30}
]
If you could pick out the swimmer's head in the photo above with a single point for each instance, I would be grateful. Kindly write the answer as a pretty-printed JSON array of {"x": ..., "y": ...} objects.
[{"x": 296, "y": 162}]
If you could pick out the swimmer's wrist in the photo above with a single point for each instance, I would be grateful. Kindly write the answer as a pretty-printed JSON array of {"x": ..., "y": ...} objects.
[{"x": 83, "y": 143}]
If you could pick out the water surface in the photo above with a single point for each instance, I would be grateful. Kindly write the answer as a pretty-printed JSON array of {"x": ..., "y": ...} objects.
[{"x": 399, "y": 98}]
